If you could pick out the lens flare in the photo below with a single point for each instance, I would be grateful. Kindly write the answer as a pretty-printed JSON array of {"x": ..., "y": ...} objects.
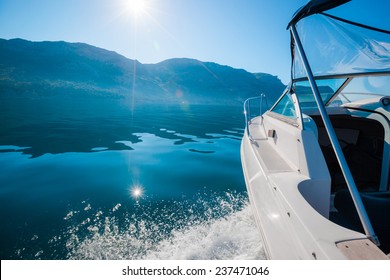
[
  {"x": 137, "y": 192},
  {"x": 137, "y": 7}
]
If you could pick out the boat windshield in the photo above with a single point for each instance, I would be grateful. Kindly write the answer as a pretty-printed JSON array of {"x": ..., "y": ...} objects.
[
  {"x": 326, "y": 87},
  {"x": 336, "y": 92},
  {"x": 365, "y": 87}
]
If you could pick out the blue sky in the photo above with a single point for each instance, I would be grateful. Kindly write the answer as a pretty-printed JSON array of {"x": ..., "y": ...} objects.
[{"x": 248, "y": 34}]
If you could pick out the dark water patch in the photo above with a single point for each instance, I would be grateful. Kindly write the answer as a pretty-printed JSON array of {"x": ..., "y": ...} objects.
[{"x": 202, "y": 152}]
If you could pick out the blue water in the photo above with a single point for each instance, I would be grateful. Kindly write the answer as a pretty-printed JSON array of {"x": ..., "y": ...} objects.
[{"x": 69, "y": 168}]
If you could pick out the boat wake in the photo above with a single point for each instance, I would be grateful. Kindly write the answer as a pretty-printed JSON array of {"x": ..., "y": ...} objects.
[{"x": 218, "y": 228}]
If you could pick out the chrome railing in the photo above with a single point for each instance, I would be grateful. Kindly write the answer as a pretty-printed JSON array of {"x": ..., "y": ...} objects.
[{"x": 247, "y": 111}]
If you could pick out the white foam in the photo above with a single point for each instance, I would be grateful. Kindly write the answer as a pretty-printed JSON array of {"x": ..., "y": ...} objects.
[
  {"x": 116, "y": 207},
  {"x": 88, "y": 207},
  {"x": 231, "y": 236}
]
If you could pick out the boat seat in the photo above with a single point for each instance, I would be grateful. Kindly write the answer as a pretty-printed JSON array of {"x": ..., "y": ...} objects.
[{"x": 377, "y": 205}]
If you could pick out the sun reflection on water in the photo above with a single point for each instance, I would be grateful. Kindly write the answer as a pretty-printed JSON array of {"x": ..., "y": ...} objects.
[{"x": 136, "y": 191}]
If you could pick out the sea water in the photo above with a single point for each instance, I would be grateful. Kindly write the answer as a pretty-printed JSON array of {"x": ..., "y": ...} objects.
[{"x": 98, "y": 178}]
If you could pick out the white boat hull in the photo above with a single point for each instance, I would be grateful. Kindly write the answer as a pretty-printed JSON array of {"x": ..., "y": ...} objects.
[{"x": 289, "y": 189}]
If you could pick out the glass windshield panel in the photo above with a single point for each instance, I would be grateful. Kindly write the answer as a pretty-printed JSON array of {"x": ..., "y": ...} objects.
[
  {"x": 363, "y": 88},
  {"x": 327, "y": 89},
  {"x": 286, "y": 107},
  {"x": 369, "y": 85},
  {"x": 334, "y": 47}
]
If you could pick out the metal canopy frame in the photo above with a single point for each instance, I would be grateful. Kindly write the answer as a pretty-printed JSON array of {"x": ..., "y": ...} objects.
[{"x": 313, "y": 7}]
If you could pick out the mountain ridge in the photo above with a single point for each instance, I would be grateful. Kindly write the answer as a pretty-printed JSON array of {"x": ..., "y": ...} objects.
[{"x": 78, "y": 69}]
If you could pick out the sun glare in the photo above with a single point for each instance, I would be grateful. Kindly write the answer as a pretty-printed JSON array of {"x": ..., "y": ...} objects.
[
  {"x": 137, "y": 7},
  {"x": 137, "y": 192}
]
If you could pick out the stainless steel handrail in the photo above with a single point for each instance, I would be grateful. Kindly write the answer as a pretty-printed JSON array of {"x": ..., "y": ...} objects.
[{"x": 248, "y": 115}]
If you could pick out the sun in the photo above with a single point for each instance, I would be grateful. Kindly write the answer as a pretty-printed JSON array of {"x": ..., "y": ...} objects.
[{"x": 137, "y": 7}]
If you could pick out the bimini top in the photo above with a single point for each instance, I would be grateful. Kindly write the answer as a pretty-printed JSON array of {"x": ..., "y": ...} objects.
[
  {"x": 315, "y": 7},
  {"x": 344, "y": 48}
]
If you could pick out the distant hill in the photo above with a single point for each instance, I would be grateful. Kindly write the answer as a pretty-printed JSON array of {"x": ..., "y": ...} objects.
[{"x": 77, "y": 69}]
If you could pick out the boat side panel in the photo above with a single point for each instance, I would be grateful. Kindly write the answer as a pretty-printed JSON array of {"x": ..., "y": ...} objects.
[
  {"x": 266, "y": 208},
  {"x": 286, "y": 202},
  {"x": 315, "y": 233},
  {"x": 301, "y": 149},
  {"x": 288, "y": 231},
  {"x": 284, "y": 140},
  {"x": 312, "y": 164}
]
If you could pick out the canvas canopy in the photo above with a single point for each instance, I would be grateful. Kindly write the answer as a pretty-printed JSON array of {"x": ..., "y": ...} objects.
[{"x": 338, "y": 48}]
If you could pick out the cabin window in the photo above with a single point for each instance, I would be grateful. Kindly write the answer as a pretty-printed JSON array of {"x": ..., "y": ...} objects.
[{"x": 286, "y": 107}]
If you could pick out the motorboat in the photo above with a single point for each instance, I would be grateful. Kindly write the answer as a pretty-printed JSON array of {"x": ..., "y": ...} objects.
[{"x": 316, "y": 163}]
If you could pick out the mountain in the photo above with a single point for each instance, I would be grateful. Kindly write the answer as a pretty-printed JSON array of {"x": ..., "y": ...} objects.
[{"x": 77, "y": 69}]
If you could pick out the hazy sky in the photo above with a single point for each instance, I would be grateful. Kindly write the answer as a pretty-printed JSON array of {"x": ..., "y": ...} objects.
[{"x": 248, "y": 34}]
